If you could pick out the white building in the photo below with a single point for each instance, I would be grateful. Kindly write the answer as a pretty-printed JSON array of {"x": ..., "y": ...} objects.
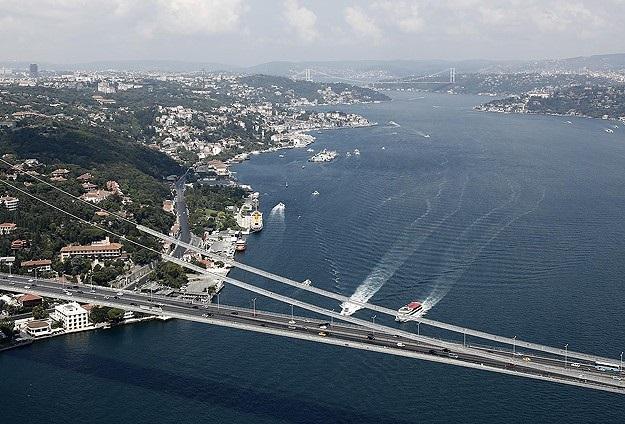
[
  {"x": 38, "y": 328},
  {"x": 72, "y": 316}
]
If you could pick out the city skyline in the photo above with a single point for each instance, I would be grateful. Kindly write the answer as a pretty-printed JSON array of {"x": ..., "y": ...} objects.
[{"x": 245, "y": 32}]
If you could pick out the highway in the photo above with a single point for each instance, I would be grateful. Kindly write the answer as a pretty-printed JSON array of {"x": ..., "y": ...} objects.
[{"x": 387, "y": 341}]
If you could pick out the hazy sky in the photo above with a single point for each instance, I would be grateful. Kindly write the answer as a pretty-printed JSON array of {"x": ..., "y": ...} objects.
[{"x": 253, "y": 31}]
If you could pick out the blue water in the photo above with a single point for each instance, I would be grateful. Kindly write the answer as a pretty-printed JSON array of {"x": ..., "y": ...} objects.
[{"x": 506, "y": 223}]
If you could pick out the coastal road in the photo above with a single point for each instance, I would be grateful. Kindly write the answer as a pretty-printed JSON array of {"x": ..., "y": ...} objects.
[
  {"x": 183, "y": 216},
  {"x": 584, "y": 374}
]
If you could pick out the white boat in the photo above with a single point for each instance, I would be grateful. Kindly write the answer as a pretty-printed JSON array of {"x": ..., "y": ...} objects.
[
  {"x": 315, "y": 193},
  {"x": 310, "y": 150},
  {"x": 348, "y": 154},
  {"x": 307, "y": 282},
  {"x": 609, "y": 130},
  {"x": 356, "y": 152},
  {"x": 412, "y": 309},
  {"x": 280, "y": 156},
  {"x": 280, "y": 205}
]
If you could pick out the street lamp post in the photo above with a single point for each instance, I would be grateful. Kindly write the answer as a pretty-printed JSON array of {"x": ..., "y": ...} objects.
[
  {"x": 464, "y": 338},
  {"x": 621, "y": 367},
  {"x": 566, "y": 353},
  {"x": 217, "y": 301},
  {"x": 332, "y": 320},
  {"x": 10, "y": 265},
  {"x": 292, "y": 313},
  {"x": 418, "y": 328},
  {"x": 254, "y": 306},
  {"x": 513, "y": 346},
  {"x": 373, "y": 319}
]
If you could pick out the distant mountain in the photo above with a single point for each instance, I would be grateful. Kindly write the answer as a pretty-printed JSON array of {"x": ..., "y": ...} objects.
[{"x": 354, "y": 70}]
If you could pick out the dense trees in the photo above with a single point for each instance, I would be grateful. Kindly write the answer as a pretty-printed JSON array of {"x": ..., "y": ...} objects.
[{"x": 171, "y": 274}]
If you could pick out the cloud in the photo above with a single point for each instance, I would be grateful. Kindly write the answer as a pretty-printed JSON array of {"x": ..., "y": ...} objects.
[
  {"x": 190, "y": 17},
  {"x": 362, "y": 24},
  {"x": 403, "y": 15},
  {"x": 301, "y": 19}
]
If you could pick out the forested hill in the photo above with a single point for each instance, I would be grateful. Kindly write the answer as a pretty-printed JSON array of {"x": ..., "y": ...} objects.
[
  {"x": 87, "y": 148},
  {"x": 279, "y": 87}
]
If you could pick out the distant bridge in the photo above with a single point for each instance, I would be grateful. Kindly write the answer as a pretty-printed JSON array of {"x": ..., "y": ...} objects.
[{"x": 434, "y": 78}]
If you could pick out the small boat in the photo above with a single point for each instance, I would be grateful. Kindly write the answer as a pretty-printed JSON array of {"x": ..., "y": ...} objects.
[
  {"x": 310, "y": 150},
  {"x": 357, "y": 152},
  {"x": 315, "y": 193},
  {"x": 609, "y": 130},
  {"x": 280, "y": 156},
  {"x": 286, "y": 184},
  {"x": 383, "y": 148},
  {"x": 240, "y": 245},
  {"x": 349, "y": 154},
  {"x": 307, "y": 282},
  {"x": 280, "y": 205}
]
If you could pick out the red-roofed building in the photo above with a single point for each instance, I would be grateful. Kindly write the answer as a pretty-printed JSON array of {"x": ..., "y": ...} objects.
[
  {"x": 29, "y": 300},
  {"x": 7, "y": 228}
]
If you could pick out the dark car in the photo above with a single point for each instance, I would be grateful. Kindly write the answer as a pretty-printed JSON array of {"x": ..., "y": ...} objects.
[
  {"x": 196, "y": 307},
  {"x": 370, "y": 337},
  {"x": 234, "y": 313},
  {"x": 445, "y": 350},
  {"x": 133, "y": 304},
  {"x": 432, "y": 352}
]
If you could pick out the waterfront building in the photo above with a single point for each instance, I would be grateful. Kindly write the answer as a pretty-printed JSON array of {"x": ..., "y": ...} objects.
[
  {"x": 38, "y": 328},
  {"x": 72, "y": 316}
]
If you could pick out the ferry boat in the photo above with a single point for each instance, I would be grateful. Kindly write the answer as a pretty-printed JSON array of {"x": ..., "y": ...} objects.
[
  {"x": 410, "y": 310},
  {"x": 240, "y": 245},
  {"x": 256, "y": 221}
]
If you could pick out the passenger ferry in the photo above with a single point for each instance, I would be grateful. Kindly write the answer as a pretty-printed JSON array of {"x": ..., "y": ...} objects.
[{"x": 410, "y": 310}]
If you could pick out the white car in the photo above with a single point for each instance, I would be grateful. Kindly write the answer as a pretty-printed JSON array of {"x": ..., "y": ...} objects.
[
  {"x": 575, "y": 365},
  {"x": 400, "y": 344},
  {"x": 120, "y": 294}
]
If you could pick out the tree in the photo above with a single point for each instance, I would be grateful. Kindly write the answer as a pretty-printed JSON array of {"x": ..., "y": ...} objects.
[
  {"x": 115, "y": 315},
  {"x": 99, "y": 314},
  {"x": 7, "y": 327},
  {"x": 39, "y": 312},
  {"x": 171, "y": 274}
]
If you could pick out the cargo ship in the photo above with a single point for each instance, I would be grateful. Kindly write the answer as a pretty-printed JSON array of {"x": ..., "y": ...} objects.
[{"x": 406, "y": 312}]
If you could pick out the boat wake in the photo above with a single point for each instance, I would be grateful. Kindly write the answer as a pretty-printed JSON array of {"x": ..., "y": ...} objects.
[
  {"x": 489, "y": 225},
  {"x": 278, "y": 210},
  {"x": 403, "y": 248}
]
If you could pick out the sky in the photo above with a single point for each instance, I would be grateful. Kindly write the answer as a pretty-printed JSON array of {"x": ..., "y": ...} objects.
[{"x": 247, "y": 32}]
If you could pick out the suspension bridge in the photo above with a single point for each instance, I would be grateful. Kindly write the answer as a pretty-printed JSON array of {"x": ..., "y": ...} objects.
[
  {"x": 444, "y": 77},
  {"x": 503, "y": 355}
]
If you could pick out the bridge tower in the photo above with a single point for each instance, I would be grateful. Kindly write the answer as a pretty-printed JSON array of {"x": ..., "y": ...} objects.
[
  {"x": 307, "y": 75},
  {"x": 452, "y": 75}
]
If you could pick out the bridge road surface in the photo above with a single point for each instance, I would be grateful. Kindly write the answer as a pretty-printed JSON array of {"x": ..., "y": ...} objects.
[{"x": 346, "y": 335}]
